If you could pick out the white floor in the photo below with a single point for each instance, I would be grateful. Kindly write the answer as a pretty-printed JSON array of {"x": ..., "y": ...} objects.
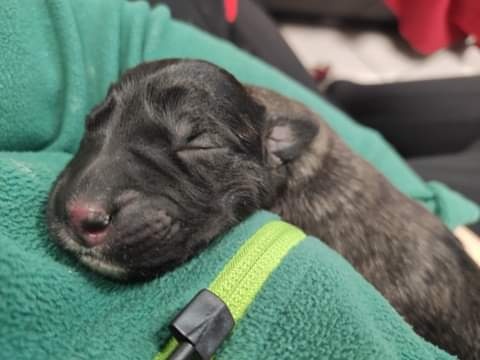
[{"x": 373, "y": 56}]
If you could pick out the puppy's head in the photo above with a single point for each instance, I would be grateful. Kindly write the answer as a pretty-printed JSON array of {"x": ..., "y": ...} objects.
[{"x": 174, "y": 156}]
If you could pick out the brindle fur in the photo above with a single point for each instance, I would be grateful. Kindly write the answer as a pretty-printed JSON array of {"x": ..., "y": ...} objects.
[{"x": 397, "y": 245}]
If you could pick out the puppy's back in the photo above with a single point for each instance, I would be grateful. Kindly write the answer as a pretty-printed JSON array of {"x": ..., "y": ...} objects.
[{"x": 400, "y": 247}]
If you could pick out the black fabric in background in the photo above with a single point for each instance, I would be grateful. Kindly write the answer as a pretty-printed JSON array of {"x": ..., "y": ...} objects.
[{"x": 419, "y": 118}]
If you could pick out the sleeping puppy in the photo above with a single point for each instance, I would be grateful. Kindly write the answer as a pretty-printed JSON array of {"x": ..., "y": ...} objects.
[{"x": 180, "y": 151}]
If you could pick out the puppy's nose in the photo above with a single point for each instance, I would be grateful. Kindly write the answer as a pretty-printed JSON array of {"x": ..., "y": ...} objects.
[{"x": 90, "y": 221}]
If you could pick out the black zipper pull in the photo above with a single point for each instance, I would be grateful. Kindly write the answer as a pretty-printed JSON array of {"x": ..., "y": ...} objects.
[{"x": 201, "y": 327}]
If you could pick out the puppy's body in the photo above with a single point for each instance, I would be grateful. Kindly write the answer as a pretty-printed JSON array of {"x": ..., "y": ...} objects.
[
  {"x": 404, "y": 251},
  {"x": 180, "y": 151}
]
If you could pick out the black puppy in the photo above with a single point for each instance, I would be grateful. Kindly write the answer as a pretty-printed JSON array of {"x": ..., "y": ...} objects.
[{"x": 180, "y": 151}]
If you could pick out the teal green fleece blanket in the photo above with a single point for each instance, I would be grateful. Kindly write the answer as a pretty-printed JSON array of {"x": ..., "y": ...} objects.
[{"x": 57, "y": 58}]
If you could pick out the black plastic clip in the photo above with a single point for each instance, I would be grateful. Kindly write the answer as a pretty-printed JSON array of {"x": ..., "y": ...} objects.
[{"x": 201, "y": 327}]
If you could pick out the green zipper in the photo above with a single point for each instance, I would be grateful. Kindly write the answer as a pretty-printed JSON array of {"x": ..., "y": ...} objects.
[{"x": 246, "y": 272}]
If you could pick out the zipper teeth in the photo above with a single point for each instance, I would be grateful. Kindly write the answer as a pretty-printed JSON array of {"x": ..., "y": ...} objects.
[
  {"x": 247, "y": 271},
  {"x": 244, "y": 259},
  {"x": 257, "y": 276}
]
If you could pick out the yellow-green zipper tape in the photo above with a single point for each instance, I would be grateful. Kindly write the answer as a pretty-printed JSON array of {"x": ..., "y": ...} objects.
[{"x": 244, "y": 275}]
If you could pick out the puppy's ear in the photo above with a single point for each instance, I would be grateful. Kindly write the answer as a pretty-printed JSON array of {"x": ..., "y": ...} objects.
[
  {"x": 288, "y": 127},
  {"x": 288, "y": 138}
]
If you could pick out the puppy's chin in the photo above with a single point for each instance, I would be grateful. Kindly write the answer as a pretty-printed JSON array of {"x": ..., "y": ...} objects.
[
  {"x": 105, "y": 267},
  {"x": 92, "y": 258}
]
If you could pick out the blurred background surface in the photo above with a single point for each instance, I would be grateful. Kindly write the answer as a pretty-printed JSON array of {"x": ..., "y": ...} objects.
[{"x": 359, "y": 41}]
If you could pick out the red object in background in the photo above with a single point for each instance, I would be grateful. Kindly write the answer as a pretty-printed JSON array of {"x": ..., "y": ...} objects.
[
  {"x": 231, "y": 10},
  {"x": 320, "y": 73},
  {"x": 429, "y": 25}
]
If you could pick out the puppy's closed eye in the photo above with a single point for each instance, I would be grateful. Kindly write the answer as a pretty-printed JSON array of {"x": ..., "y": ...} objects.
[
  {"x": 200, "y": 145},
  {"x": 201, "y": 141}
]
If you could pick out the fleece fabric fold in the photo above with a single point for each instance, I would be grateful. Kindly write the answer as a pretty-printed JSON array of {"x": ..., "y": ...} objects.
[{"x": 57, "y": 59}]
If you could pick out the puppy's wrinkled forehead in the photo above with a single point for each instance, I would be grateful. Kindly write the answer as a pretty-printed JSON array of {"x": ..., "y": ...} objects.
[
  {"x": 178, "y": 80},
  {"x": 184, "y": 94}
]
